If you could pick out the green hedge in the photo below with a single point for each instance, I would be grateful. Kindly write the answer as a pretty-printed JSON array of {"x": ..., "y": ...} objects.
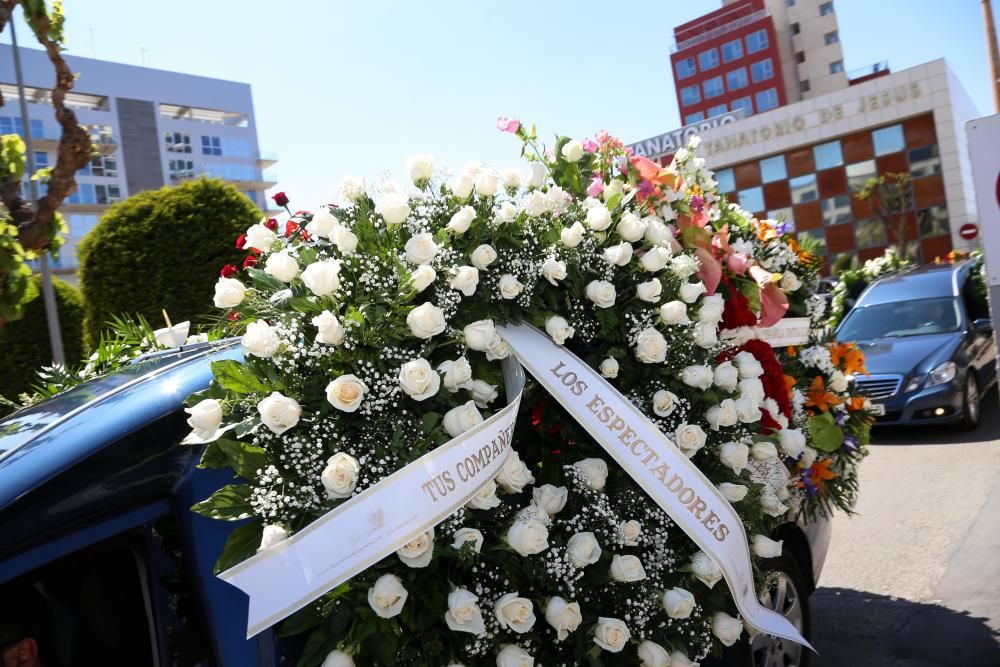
[
  {"x": 25, "y": 342},
  {"x": 162, "y": 249}
]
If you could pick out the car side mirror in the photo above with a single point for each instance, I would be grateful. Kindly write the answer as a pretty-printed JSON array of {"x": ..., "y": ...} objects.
[{"x": 983, "y": 325}]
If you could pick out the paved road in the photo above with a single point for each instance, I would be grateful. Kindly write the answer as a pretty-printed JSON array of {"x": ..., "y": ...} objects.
[{"x": 913, "y": 580}]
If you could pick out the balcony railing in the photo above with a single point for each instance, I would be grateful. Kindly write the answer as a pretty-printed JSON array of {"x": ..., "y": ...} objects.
[
  {"x": 721, "y": 30},
  {"x": 867, "y": 71}
]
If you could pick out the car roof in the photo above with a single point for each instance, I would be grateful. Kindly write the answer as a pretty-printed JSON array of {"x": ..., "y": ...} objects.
[{"x": 923, "y": 282}]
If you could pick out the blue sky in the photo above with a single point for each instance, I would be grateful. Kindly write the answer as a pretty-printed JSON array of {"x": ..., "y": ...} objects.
[{"x": 356, "y": 87}]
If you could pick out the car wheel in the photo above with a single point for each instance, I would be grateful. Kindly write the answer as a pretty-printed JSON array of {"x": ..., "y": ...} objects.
[
  {"x": 789, "y": 597},
  {"x": 970, "y": 402}
]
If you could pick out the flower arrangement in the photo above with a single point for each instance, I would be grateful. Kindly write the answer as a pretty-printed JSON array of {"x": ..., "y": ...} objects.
[{"x": 370, "y": 339}]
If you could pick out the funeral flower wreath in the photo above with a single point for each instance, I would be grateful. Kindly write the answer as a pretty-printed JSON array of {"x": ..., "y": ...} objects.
[{"x": 370, "y": 339}]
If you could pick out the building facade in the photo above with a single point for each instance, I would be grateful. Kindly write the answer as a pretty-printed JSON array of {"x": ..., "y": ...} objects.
[{"x": 151, "y": 128}]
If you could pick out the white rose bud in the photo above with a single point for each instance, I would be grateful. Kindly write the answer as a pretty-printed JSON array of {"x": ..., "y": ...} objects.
[
  {"x": 338, "y": 659},
  {"x": 649, "y": 291},
  {"x": 535, "y": 204},
  {"x": 705, "y": 334},
  {"x": 599, "y": 218},
  {"x": 627, "y": 568},
  {"x": 539, "y": 173},
  {"x": 480, "y": 335},
  {"x": 658, "y": 233},
  {"x": 282, "y": 266},
  {"x": 462, "y": 186},
  {"x": 394, "y": 207},
  {"x": 734, "y": 455},
  {"x": 765, "y": 547},
  {"x": 563, "y": 616},
  {"x": 420, "y": 248},
  {"x": 485, "y": 498},
  {"x": 345, "y": 240},
  {"x": 514, "y": 656},
  {"x": 462, "y": 220},
  {"x": 792, "y": 441},
  {"x": 664, "y": 402},
  {"x": 506, "y": 213},
  {"x": 601, "y": 292},
  {"x": 690, "y": 292},
  {"x": 748, "y": 365},
  {"x": 572, "y": 236},
  {"x": 418, "y": 379},
  {"x": 487, "y": 183},
  {"x": 679, "y": 659},
  {"x": 340, "y": 476},
  {"x": 631, "y": 227},
  {"x": 346, "y": 392},
  {"x": 723, "y": 414},
  {"x": 426, "y": 320},
  {"x": 323, "y": 277},
  {"x": 629, "y": 532},
  {"x": 678, "y": 603},
  {"x": 465, "y": 536},
  {"x": 353, "y": 188},
  {"x": 559, "y": 329},
  {"x": 609, "y": 367},
  {"x": 725, "y": 376},
  {"x": 206, "y": 417},
  {"x": 726, "y": 628},
  {"x": 711, "y": 309},
  {"x": 514, "y": 613},
  {"x": 260, "y": 237},
  {"x": 514, "y": 475},
  {"x": 421, "y": 168},
  {"x": 753, "y": 388},
  {"x": 764, "y": 451},
  {"x": 748, "y": 409},
  {"x": 483, "y": 393},
  {"x": 457, "y": 374},
  {"x": 689, "y": 438},
  {"x": 583, "y": 549},
  {"x": 771, "y": 504},
  {"x": 700, "y": 377},
  {"x": 422, "y": 277},
  {"x": 654, "y": 259},
  {"x": 611, "y": 634},
  {"x": 483, "y": 256},
  {"x": 509, "y": 286},
  {"x": 650, "y": 346},
  {"x": 594, "y": 471},
  {"x": 572, "y": 151},
  {"x": 387, "y": 596},
  {"x": 229, "y": 293},
  {"x": 465, "y": 280},
  {"x": 674, "y": 312},
  {"x": 614, "y": 187},
  {"x": 463, "y": 613},
  {"x": 419, "y": 551},
  {"x": 528, "y": 536},
  {"x": 734, "y": 493},
  {"x": 705, "y": 570},
  {"x": 790, "y": 282},
  {"x": 553, "y": 270},
  {"x": 323, "y": 223},
  {"x": 652, "y": 654},
  {"x": 273, "y": 534},
  {"x": 328, "y": 328},
  {"x": 550, "y": 498},
  {"x": 618, "y": 255},
  {"x": 459, "y": 420},
  {"x": 683, "y": 266},
  {"x": 279, "y": 413},
  {"x": 512, "y": 178}
]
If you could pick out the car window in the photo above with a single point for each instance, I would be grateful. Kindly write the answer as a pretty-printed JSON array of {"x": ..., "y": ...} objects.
[
  {"x": 974, "y": 298},
  {"x": 901, "y": 318}
]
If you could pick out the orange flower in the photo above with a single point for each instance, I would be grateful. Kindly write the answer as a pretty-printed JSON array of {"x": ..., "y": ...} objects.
[
  {"x": 792, "y": 351},
  {"x": 819, "y": 397},
  {"x": 790, "y": 384},
  {"x": 848, "y": 357},
  {"x": 820, "y": 473},
  {"x": 856, "y": 403}
]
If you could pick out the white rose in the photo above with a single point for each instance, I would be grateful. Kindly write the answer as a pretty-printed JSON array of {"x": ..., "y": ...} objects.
[
  {"x": 711, "y": 309},
  {"x": 260, "y": 237},
  {"x": 751, "y": 388},
  {"x": 465, "y": 280},
  {"x": 559, "y": 329},
  {"x": 674, "y": 312},
  {"x": 346, "y": 392},
  {"x": 748, "y": 365},
  {"x": 422, "y": 277},
  {"x": 664, "y": 402},
  {"x": 601, "y": 292},
  {"x": 506, "y": 213},
  {"x": 748, "y": 409},
  {"x": 462, "y": 220},
  {"x": 394, "y": 207},
  {"x": 418, "y": 552},
  {"x": 734, "y": 455},
  {"x": 535, "y": 204},
  {"x": 421, "y": 248},
  {"x": 483, "y": 393},
  {"x": 599, "y": 218},
  {"x": 618, "y": 255},
  {"x": 572, "y": 236},
  {"x": 509, "y": 286},
  {"x": 726, "y": 628},
  {"x": 282, "y": 266},
  {"x": 471, "y": 168},
  {"x": 572, "y": 150},
  {"x": 658, "y": 233},
  {"x": 229, "y": 293},
  {"x": 514, "y": 475},
  {"x": 609, "y": 367},
  {"x": 789, "y": 282},
  {"x": 421, "y": 167},
  {"x": 487, "y": 183},
  {"x": 627, "y": 568},
  {"x": 340, "y": 476},
  {"x": 564, "y": 616},
  {"x": 260, "y": 339},
  {"x": 649, "y": 291},
  {"x": 480, "y": 335},
  {"x": 706, "y": 334},
  {"x": 528, "y": 536},
  {"x": 771, "y": 504},
  {"x": 485, "y": 498},
  {"x": 725, "y": 376},
  {"x": 734, "y": 493},
  {"x": 765, "y": 547},
  {"x": 323, "y": 223},
  {"x": 689, "y": 438},
  {"x": 650, "y": 346},
  {"x": 631, "y": 227},
  {"x": 629, "y": 532},
  {"x": 465, "y": 536},
  {"x": 550, "y": 498},
  {"x": 463, "y": 613},
  {"x": 652, "y": 654},
  {"x": 483, "y": 256},
  {"x": 273, "y": 534},
  {"x": 418, "y": 380},
  {"x": 678, "y": 603},
  {"x": 700, "y": 377},
  {"x": 764, "y": 451},
  {"x": 462, "y": 186},
  {"x": 511, "y": 177},
  {"x": 539, "y": 173},
  {"x": 345, "y": 240},
  {"x": 338, "y": 659},
  {"x": 583, "y": 549},
  {"x": 279, "y": 413},
  {"x": 459, "y": 420},
  {"x": 678, "y": 659},
  {"x": 808, "y": 457},
  {"x": 514, "y": 656},
  {"x": 611, "y": 634},
  {"x": 323, "y": 277},
  {"x": 426, "y": 320},
  {"x": 387, "y": 596},
  {"x": 206, "y": 417},
  {"x": 838, "y": 382},
  {"x": 690, "y": 292},
  {"x": 705, "y": 570},
  {"x": 723, "y": 414},
  {"x": 328, "y": 328},
  {"x": 683, "y": 266},
  {"x": 654, "y": 259},
  {"x": 457, "y": 374},
  {"x": 514, "y": 613},
  {"x": 353, "y": 187},
  {"x": 594, "y": 471},
  {"x": 792, "y": 441},
  {"x": 553, "y": 270}
]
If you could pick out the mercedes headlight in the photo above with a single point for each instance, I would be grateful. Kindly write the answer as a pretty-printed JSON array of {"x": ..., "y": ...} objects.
[{"x": 944, "y": 373}]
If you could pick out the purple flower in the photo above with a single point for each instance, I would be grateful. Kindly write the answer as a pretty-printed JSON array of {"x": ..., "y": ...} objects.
[
  {"x": 646, "y": 188},
  {"x": 841, "y": 419},
  {"x": 596, "y": 186},
  {"x": 808, "y": 484},
  {"x": 785, "y": 228},
  {"x": 697, "y": 204},
  {"x": 511, "y": 125},
  {"x": 851, "y": 443},
  {"x": 590, "y": 145}
]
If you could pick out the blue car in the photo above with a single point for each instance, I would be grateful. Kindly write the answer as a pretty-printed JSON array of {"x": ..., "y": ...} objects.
[{"x": 928, "y": 341}]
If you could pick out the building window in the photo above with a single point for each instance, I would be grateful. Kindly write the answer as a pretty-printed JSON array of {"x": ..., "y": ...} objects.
[
  {"x": 803, "y": 189},
  {"x": 923, "y": 161},
  {"x": 796, "y": 29},
  {"x": 732, "y": 51},
  {"x": 737, "y": 78},
  {"x": 800, "y": 56},
  {"x": 836, "y": 210},
  {"x": 717, "y": 110},
  {"x": 726, "y": 181},
  {"x": 13, "y": 125},
  {"x": 762, "y": 71},
  {"x": 888, "y": 139},
  {"x": 804, "y": 86},
  {"x": 826, "y": 8},
  {"x": 789, "y": 3},
  {"x": 783, "y": 216},
  {"x": 870, "y": 233},
  {"x": 211, "y": 145},
  {"x": 695, "y": 117},
  {"x": 104, "y": 165},
  {"x": 836, "y": 66},
  {"x": 773, "y": 169},
  {"x": 177, "y": 142},
  {"x": 84, "y": 194},
  {"x": 101, "y": 134},
  {"x": 933, "y": 221},
  {"x": 859, "y": 173},
  {"x": 713, "y": 87},
  {"x": 744, "y": 103},
  {"x": 41, "y": 159},
  {"x": 752, "y": 199},
  {"x": 107, "y": 194},
  {"x": 690, "y": 95},
  {"x": 685, "y": 68},
  {"x": 180, "y": 169},
  {"x": 708, "y": 59},
  {"x": 831, "y": 38},
  {"x": 828, "y": 155},
  {"x": 767, "y": 99},
  {"x": 251, "y": 195},
  {"x": 757, "y": 41}
]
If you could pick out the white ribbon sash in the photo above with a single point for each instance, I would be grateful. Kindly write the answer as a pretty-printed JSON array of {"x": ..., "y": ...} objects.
[
  {"x": 654, "y": 462},
  {"x": 787, "y": 331},
  {"x": 377, "y": 522}
]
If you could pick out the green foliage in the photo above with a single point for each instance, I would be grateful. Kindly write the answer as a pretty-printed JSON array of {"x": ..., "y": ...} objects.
[
  {"x": 25, "y": 342},
  {"x": 15, "y": 274},
  {"x": 826, "y": 435},
  {"x": 162, "y": 249}
]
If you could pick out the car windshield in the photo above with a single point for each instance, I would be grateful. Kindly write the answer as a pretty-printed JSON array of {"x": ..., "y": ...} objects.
[{"x": 901, "y": 318}]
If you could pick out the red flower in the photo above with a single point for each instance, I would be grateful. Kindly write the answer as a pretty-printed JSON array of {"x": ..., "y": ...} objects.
[
  {"x": 736, "y": 311},
  {"x": 249, "y": 261},
  {"x": 290, "y": 228},
  {"x": 233, "y": 316},
  {"x": 228, "y": 271},
  {"x": 241, "y": 241},
  {"x": 271, "y": 224},
  {"x": 280, "y": 199},
  {"x": 768, "y": 424}
]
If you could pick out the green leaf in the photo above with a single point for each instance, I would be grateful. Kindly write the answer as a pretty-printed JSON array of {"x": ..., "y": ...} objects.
[
  {"x": 230, "y": 503},
  {"x": 242, "y": 544},
  {"x": 301, "y": 621},
  {"x": 304, "y": 305},
  {"x": 237, "y": 377},
  {"x": 265, "y": 281},
  {"x": 320, "y": 644},
  {"x": 213, "y": 457},
  {"x": 826, "y": 435},
  {"x": 243, "y": 458}
]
